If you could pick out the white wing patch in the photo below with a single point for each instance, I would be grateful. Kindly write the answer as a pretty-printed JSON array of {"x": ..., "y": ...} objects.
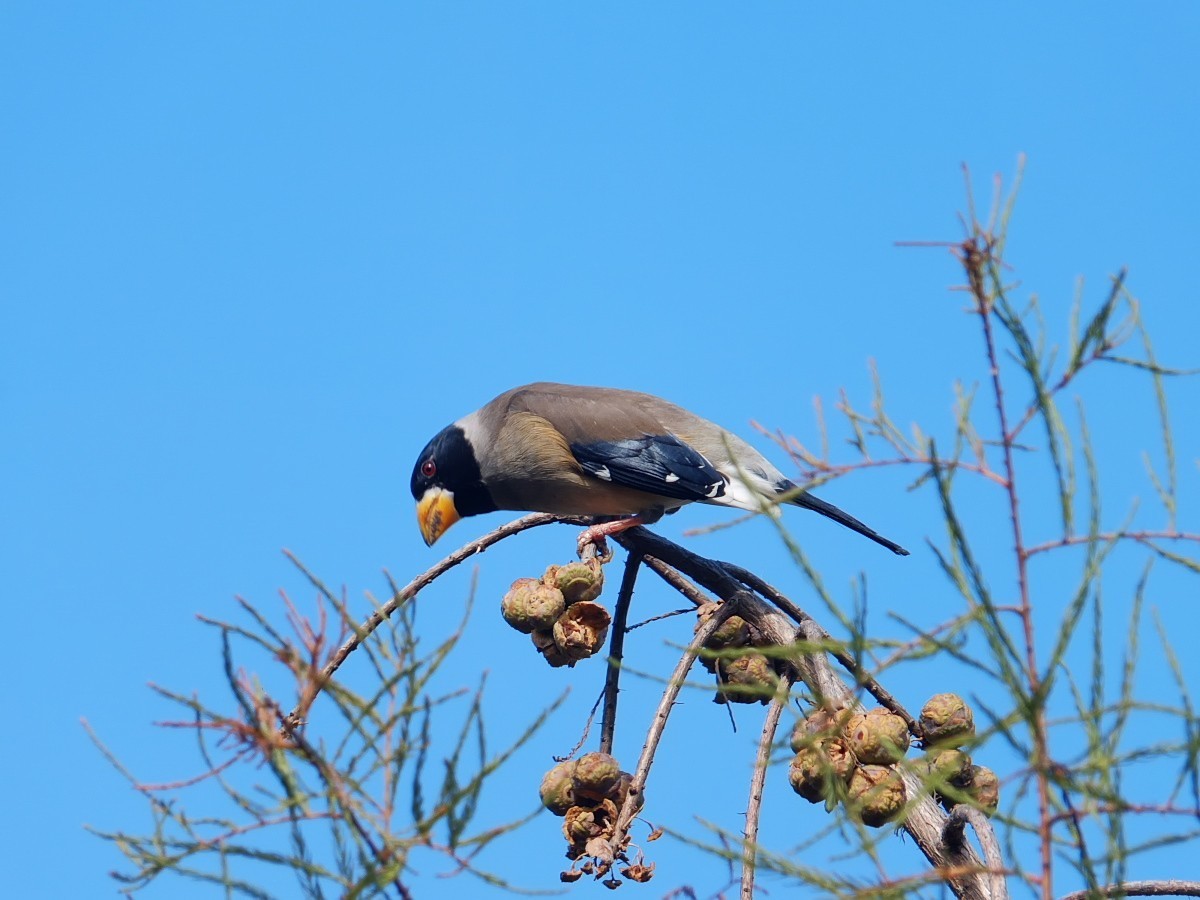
[
  {"x": 603, "y": 473},
  {"x": 747, "y": 490},
  {"x": 671, "y": 477}
]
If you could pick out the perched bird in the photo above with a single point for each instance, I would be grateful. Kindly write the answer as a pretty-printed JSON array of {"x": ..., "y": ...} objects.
[{"x": 620, "y": 456}]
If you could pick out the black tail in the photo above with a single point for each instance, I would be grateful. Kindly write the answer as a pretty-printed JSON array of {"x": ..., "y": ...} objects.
[{"x": 808, "y": 501}]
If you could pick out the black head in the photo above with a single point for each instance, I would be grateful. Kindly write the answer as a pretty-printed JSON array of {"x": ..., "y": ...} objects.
[{"x": 447, "y": 483}]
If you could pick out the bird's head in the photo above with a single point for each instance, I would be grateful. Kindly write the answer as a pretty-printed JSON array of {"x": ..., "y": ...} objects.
[{"x": 447, "y": 483}]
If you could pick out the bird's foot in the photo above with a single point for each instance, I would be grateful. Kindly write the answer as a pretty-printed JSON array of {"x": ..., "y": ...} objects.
[{"x": 596, "y": 534}]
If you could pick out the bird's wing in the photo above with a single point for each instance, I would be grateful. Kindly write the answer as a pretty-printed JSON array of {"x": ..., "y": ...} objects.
[
  {"x": 620, "y": 437},
  {"x": 658, "y": 464}
]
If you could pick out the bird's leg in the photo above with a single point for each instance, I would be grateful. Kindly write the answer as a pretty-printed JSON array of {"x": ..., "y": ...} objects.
[{"x": 596, "y": 534}]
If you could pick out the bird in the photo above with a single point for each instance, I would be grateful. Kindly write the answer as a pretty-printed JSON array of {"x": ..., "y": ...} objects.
[{"x": 620, "y": 457}]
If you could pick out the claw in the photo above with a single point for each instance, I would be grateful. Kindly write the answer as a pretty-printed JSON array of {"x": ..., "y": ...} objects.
[{"x": 596, "y": 534}]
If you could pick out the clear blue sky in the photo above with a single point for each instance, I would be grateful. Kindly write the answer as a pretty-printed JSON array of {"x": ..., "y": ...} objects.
[{"x": 253, "y": 256}]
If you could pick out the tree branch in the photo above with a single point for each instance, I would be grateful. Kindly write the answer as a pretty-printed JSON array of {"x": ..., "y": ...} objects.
[{"x": 616, "y": 648}]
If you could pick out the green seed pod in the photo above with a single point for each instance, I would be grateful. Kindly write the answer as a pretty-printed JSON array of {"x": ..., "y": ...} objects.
[
  {"x": 558, "y": 788},
  {"x": 947, "y": 721},
  {"x": 578, "y": 581},
  {"x": 983, "y": 787},
  {"x": 733, "y": 632},
  {"x": 818, "y": 769},
  {"x": 876, "y": 795},
  {"x": 581, "y": 630},
  {"x": 878, "y": 738},
  {"x": 747, "y": 679},
  {"x": 819, "y": 725},
  {"x": 531, "y": 606},
  {"x": 947, "y": 765},
  {"x": 596, "y": 776}
]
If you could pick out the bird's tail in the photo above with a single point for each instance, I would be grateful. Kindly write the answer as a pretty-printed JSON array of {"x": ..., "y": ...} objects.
[{"x": 808, "y": 501}]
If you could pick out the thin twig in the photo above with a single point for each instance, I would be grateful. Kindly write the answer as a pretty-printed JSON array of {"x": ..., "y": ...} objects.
[
  {"x": 296, "y": 717},
  {"x": 974, "y": 259},
  {"x": 758, "y": 781},
  {"x": 1167, "y": 888},
  {"x": 337, "y": 788},
  {"x": 677, "y": 581},
  {"x": 1109, "y": 537},
  {"x": 659, "y": 723},
  {"x": 616, "y": 648}
]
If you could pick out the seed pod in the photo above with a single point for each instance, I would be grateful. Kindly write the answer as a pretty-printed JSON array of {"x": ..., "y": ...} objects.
[
  {"x": 819, "y": 768},
  {"x": 947, "y": 765},
  {"x": 947, "y": 721},
  {"x": 747, "y": 679},
  {"x": 544, "y": 642},
  {"x": 876, "y": 795},
  {"x": 579, "y": 824},
  {"x": 878, "y": 738},
  {"x": 639, "y": 872},
  {"x": 983, "y": 787},
  {"x": 578, "y": 581},
  {"x": 733, "y": 632},
  {"x": 583, "y": 825},
  {"x": 558, "y": 788},
  {"x": 621, "y": 791},
  {"x": 819, "y": 725},
  {"x": 596, "y": 776},
  {"x": 581, "y": 630},
  {"x": 531, "y": 606}
]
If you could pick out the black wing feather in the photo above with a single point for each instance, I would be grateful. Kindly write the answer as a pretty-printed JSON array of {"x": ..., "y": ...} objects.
[{"x": 655, "y": 463}]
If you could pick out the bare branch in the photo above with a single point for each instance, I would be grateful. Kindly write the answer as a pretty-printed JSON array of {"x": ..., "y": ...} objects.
[
  {"x": 758, "y": 781},
  {"x": 1167, "y": 888}
]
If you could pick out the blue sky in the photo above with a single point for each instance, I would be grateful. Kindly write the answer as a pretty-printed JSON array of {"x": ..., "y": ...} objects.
[{"x": 253, "y": 257}]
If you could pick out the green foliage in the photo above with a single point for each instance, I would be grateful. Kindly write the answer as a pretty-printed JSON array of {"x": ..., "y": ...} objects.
[{"x": 342, "y": 802}]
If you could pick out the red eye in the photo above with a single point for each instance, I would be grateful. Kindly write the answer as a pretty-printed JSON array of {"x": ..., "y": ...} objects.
[{"x": 428, "y": 468}]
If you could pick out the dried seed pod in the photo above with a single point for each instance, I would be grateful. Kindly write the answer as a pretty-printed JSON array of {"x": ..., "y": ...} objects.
[
  {"x": 983, "y": 786},
  {"x": 876, "y": 795},
  {"x": 579, "y": 824},
  {"x": 878, "y": 738},
  {"x": 819, "y": 768},
  {"x": 544, "y": 642},
  {"x": 583, "y": 825},
  {"x": 747, "y": 679},
  {"x": 596, "y": 776},
  {"x": 578, "y": 581},
  {"x": 558, "y": 788},
  {"x": 639, "y": 872},
  {"x": 581, "y": 630},
  {"x": 947, "y": 721},
  {"x": 532, "y": 606}
]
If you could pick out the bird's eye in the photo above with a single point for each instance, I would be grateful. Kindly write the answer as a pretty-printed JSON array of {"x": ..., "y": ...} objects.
[{"x": 429, "y": 468}]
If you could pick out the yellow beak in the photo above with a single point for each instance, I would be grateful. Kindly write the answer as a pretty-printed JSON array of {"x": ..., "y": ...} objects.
[{"x": 436, "y": 513}]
